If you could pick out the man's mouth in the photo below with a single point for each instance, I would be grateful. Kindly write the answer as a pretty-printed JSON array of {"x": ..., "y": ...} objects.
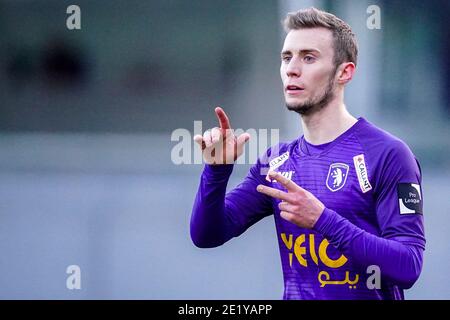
[{"x": 293, "y": 89}]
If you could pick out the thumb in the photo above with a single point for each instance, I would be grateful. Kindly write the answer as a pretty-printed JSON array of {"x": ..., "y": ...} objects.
[{"x": 241, "y": 141}]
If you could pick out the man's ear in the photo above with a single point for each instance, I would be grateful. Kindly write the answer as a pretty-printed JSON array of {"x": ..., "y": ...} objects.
[{"x": 345, "y": 72}]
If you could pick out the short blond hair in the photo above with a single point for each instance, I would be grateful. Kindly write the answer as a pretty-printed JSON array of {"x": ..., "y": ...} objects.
[{"x": 344, "y": 40}]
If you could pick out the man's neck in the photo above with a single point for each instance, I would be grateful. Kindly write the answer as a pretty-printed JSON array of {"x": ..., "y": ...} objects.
[{"x": 328, "y": 123}]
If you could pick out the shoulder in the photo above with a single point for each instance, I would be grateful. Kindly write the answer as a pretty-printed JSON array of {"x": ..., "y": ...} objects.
[
  {"x": 387, "y": 155},
  {"x": 379, "y": 143},
  {"x": 274, "y": 156}
]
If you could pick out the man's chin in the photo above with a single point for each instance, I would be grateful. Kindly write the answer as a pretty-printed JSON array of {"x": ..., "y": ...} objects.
[
  {"x": 302, "y": 109},
  {"x": 293, "y": 102}
]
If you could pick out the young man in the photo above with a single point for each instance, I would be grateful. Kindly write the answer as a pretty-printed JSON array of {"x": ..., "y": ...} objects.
[{"x": 345, "y": 196}]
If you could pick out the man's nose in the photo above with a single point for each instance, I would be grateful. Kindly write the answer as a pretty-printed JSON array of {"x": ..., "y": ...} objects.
[{"x": 294, "y": 68}]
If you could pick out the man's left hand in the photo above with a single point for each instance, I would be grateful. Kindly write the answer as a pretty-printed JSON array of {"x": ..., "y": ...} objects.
[{"x": 298, "y": 205}]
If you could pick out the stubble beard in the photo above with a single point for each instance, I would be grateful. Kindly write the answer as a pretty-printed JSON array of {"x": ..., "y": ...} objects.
[{"x": 315, "y": 104}]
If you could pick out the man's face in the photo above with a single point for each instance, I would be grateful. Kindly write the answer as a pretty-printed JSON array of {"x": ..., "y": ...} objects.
[{"x": 307, "y": 69}]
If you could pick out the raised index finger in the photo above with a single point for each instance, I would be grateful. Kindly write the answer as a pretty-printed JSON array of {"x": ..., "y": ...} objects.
[
  {"x": 285, "y": 182},
  {"x": 223, "y": 119}
]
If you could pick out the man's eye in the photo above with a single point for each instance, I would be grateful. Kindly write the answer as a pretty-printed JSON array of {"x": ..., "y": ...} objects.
[
  {"x": 309, "y": 59},
  {"x": 286, "y": 59}
]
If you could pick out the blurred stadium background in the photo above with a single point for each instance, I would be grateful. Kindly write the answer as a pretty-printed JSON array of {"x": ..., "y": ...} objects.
[{"x": 86, "y": 119}]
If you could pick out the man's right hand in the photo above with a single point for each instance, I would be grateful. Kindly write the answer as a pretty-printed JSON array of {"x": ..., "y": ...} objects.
[{"x": 220, "y": 145}]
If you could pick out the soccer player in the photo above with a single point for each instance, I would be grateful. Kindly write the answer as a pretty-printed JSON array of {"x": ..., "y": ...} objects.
[{"x": 346, "y": 196}]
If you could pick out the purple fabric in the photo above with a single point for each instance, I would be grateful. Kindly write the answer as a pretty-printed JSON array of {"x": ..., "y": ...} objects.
[{"x": 364, "y": 222}]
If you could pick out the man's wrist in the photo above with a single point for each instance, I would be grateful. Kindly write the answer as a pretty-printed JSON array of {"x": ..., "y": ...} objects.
[
  {"x": 323, "y": 221},
  {"x": 218, "y": 171}
]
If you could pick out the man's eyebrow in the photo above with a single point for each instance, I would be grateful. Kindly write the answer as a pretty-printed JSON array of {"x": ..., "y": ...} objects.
[{"x": 286, "y": 52}]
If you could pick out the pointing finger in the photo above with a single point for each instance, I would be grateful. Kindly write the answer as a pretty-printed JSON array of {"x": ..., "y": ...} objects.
[
  {"x": 223, "y": 118},
  {"x": 288, "y": 184}
]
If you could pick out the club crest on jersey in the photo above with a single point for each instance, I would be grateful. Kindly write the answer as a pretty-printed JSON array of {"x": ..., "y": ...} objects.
[{"x": 337, "y": 176}]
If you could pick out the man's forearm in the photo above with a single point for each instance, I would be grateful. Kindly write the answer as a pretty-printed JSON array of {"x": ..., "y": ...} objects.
[
  {"x": 399, "y": 262},
  {"x": 209, "y": 227}
]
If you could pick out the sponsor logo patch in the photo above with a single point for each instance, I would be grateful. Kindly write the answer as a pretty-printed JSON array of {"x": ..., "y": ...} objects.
[
  {"x": 410, "y": 198},
  {"x": 286, "y": 174},
  {"x": 277, "y": 162},
  {"x": 361, "y": 172}
]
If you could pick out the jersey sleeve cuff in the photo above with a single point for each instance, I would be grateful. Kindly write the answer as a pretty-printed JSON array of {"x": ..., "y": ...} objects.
[{"x": 325, "y": 221}]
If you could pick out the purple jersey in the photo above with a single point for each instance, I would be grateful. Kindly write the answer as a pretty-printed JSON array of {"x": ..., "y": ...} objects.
[{"x": 369, "y": 182}]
